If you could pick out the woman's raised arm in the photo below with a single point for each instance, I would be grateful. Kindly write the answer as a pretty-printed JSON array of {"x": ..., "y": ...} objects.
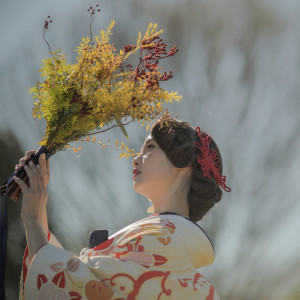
[{"x": 34, "y": 202}]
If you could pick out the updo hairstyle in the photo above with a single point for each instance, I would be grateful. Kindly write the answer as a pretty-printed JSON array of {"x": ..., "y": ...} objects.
[{"x": 176, "y": 139}]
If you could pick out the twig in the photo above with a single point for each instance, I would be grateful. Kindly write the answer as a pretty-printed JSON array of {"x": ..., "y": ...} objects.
[
  {"x": 44, "y": 31},
  {"x": 34, "y": 120},
  {"x": 91, "y": 22},
  {"x": 116, "y": 125}
]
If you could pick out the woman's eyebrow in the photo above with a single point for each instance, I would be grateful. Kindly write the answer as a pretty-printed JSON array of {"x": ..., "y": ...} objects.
[{"x": 146, "y": 143}]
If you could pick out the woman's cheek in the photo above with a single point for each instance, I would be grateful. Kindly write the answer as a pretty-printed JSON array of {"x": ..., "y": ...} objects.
[{"x": 145, "y": 157}]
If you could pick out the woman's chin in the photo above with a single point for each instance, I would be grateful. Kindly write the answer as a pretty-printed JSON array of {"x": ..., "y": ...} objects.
[{"x": 137, "y": 187}]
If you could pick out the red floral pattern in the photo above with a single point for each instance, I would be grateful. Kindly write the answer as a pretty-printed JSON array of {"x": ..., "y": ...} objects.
[
  {"x": 198, "y": 281},
  {"x": 55, "y": 289},
  {"x": 138, "y": 283}
]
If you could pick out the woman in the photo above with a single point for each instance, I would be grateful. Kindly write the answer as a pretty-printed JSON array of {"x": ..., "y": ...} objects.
[{"x": 179, "y": 170}]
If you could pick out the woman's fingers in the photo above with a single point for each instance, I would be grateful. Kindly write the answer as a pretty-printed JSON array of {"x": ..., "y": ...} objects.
[
  {"x": 42, "y": 171},
  {"x": 21, "y": 183},
  {"x": 29, "y": 153},
  {"x": 32, "y": 174},
  {"x": 48, "y": 168},
  {"x": 23, "y": 160},
  {"x": 42, "y": 161}
]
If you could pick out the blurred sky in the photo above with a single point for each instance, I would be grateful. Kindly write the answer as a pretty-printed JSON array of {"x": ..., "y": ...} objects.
[{"x": 238, "y": 69}]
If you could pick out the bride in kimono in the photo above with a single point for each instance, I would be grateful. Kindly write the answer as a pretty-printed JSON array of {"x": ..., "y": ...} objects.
[{"x": 179, "y": 170}]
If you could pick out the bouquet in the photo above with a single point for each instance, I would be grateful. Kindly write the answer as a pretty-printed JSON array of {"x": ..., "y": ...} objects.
[{"x": 102, "y": 90}]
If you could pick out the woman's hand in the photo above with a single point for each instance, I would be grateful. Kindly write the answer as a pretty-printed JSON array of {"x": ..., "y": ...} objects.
[
  {"x": 27, "y": 156},
  {"x": 34, "y": 202},
  {"x": 35, "y": 193}
]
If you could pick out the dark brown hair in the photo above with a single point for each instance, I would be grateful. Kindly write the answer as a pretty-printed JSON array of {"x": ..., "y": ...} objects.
[{"x": 176, "y": 139}]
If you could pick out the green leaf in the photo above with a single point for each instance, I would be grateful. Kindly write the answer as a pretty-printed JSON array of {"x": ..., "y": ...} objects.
[{"x": 122, "y": 128}]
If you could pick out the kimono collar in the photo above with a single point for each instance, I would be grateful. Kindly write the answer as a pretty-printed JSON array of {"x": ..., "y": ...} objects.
[{"x": 195, "y": 240}]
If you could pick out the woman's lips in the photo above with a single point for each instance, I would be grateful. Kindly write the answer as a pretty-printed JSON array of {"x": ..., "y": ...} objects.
[{"x": 135, "y": 172}]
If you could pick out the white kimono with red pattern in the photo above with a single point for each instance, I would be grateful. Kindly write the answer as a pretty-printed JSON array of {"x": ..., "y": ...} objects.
[{"x": 154, "y": 258}]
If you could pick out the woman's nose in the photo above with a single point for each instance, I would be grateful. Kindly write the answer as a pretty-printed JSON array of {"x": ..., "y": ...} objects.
[{"x": 135, "y": 161}]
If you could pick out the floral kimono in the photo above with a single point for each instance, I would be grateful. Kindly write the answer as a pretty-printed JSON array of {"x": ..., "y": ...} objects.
[{"x": 154, "y": 258}]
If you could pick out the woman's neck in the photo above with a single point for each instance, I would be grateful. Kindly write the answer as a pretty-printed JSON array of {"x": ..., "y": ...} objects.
[
  {"x": 171, "y": 195},
  {"x": 172, "y": 199}
]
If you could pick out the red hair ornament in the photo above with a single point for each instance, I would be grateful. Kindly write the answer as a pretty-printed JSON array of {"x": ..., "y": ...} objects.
[{"x": 209, "y": 160}]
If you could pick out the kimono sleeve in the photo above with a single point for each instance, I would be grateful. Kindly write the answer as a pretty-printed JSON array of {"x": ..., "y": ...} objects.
[
  {"x": 56, "y": 273},
  {"x": 27, "y": 261}
]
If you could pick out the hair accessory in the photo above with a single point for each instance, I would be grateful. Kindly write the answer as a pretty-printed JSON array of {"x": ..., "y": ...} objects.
[{"x": 209, "y": 160}]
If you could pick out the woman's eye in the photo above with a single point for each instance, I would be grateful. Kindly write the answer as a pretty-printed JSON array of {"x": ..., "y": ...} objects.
[{"x": 150, "y": 146}]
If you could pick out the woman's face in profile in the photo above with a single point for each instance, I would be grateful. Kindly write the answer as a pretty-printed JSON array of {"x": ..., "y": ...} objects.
[{"x": 152, "y": 169}]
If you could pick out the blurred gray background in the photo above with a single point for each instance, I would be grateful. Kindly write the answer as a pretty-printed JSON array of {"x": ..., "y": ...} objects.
[{"x": 238, "y": 70}]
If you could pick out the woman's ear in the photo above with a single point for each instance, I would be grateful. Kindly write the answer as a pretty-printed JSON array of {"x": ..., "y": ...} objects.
[{"x": 186, "y": 172}]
